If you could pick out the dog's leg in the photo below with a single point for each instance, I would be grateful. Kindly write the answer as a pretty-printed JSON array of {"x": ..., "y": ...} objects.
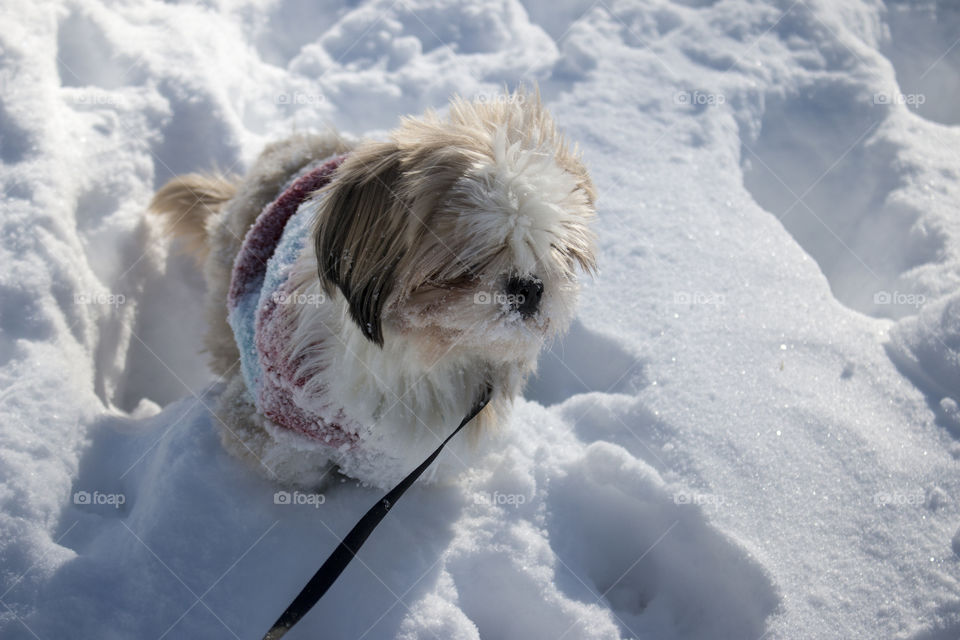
[{"x": 279, "y": 459}]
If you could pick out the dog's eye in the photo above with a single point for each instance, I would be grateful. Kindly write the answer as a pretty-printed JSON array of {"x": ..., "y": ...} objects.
[
  {"x": 464, "y": 278},
  {"x": 462, "y": 281}
]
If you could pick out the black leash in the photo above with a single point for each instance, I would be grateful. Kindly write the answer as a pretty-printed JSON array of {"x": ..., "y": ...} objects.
[{"x": 326, "y": 575}]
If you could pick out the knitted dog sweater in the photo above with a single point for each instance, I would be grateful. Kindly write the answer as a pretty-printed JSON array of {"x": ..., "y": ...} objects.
[{"x": 259, "y": 306}]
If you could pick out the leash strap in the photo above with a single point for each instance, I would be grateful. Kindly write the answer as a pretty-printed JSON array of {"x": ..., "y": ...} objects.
[{"x": 327, "y": 574}]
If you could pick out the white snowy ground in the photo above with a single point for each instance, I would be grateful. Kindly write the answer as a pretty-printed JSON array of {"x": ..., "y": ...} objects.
[{"x": 751, "y": 432}]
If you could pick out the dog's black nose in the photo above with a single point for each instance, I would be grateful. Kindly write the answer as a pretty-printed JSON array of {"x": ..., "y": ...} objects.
[{"x": 524, "y": 294}]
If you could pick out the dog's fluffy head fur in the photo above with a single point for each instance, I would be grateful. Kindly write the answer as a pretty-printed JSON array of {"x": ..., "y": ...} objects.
[{"x": 440, "y": 236}]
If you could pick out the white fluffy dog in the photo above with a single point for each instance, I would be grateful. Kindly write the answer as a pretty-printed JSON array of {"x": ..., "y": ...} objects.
[{"x": 361, "y": 296}]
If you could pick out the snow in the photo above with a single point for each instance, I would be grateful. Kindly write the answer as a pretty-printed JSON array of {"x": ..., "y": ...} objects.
[{"x": 751, "y": 431}]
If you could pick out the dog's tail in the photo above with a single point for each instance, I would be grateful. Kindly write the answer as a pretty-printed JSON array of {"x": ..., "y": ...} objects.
[{"x": 188, "y": 202}]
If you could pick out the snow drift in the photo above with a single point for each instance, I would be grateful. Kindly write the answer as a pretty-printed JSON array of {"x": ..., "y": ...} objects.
[{"x": 751, "y": 430}]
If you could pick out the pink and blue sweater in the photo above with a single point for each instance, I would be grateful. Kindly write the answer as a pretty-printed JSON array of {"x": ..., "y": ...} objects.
[{"x": 260, "y": 319}]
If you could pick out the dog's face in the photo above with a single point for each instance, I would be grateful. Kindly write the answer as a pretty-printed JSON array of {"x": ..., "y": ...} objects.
[{"x": 461, "y": 236}]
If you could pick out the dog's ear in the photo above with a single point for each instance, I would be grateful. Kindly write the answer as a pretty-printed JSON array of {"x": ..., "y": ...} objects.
[{"x": 360, "y": 233}]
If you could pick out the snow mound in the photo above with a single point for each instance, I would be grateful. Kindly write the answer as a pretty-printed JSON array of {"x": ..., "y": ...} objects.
[{"x": 927, "y": 348}]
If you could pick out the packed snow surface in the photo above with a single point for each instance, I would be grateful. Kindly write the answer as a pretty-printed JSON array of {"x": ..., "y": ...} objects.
[{"x": 751, "y": 431}]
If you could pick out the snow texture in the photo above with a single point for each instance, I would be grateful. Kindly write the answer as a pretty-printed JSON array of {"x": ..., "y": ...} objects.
[{"x": 751, "y": 431}]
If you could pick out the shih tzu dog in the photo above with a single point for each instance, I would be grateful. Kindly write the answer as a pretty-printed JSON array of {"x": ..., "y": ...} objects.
[{"x": 361, "y": 295}]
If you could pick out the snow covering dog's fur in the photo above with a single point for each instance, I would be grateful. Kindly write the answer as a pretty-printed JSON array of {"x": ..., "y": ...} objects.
[{"x": 429, "y": 267}]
